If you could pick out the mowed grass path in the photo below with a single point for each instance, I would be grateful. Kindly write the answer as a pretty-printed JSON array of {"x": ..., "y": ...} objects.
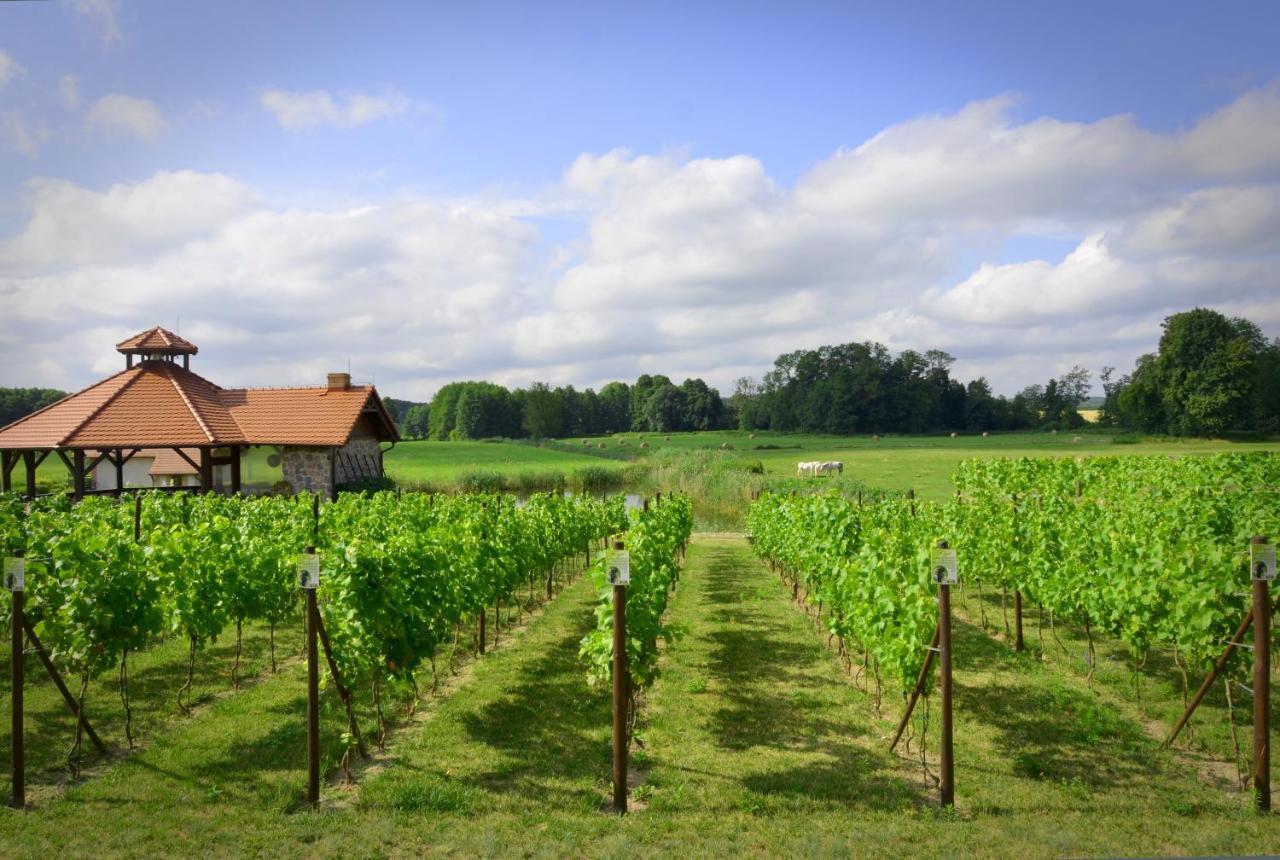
[{"x": 755, "y": 743}]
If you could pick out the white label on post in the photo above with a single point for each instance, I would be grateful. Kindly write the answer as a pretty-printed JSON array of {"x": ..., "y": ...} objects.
[
  {"x": 309, "y": 570},
  {"x": 618, "y": 567},
  {"x": 15, "y": 574},
  {"x": 944, "y": 567},
  {"x": 1262, "y": 561}
]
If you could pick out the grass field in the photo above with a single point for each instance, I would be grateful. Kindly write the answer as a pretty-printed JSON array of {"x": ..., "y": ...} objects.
[
  {"x": 922, "y": 463},
  {"x": 756, "y": 742}
]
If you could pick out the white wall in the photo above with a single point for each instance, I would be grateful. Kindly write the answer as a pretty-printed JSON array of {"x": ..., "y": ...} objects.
[{"x": 137, "y": 473}]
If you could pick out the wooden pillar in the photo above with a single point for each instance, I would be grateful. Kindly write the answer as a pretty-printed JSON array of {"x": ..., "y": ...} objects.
[
  {"x": 6, "y": 467},
  {"x": 29, "y": 461},
  {"x": 206, "y": 470},
  {"x": 235, "y": 469},
  {"x": 77, "y": 476},
  {"x": 119, "y": 461}
]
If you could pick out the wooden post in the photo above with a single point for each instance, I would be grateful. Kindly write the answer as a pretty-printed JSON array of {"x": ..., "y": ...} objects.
[
  {"x": 206, "y": 470},
  {"x": 6, "y": 467},
  {"x": 915, "y": 691},
  {"x": 947, "y": 786},
  {"x": 480, "y": 633},
  {"x": 621, "y": 681},
  {"x": 137, "y": 517},
  {"x": 29, "y": 461},
  {"x": 313, "y": 696},
  {"x": 911, "y": 497},
  {"x": 235, "y": 470},
  {"x": 119, "y": 462},
  {"x": 1261, "y": 691},
  {"x": 1017, "y": 619},
  {"x": 77, "y": 476},
  {"x": 17, "y": 666}
]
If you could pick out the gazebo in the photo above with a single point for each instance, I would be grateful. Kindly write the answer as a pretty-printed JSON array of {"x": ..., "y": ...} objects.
[{"x": 304, "y": 439}]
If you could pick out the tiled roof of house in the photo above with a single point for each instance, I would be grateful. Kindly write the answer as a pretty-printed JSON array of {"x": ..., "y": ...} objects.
[
  {"x": 167, "y": 462},
  {"x": 157, "y": 340},
  {"x": 159, "y": 404}
]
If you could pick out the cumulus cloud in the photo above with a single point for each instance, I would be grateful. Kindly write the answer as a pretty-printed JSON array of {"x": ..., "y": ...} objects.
[
  {"x": 9, "y": 69},
  {"x": 684, "y": 265},
  {"x": 298, "y": 110},
  {"x": 118, "y": 113},
  {"x": 23, "y": 133}
]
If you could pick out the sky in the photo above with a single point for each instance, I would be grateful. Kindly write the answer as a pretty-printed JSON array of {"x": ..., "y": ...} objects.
[{"x": 581, "y": 192}]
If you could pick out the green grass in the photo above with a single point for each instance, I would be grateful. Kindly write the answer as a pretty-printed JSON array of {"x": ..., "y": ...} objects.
[
  {"x": 922, "y": 463},
  {"x": 445, "y": 464},
  {"x": 755, "y": 742}
]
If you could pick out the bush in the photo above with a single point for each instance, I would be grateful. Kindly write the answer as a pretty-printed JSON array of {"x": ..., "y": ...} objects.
[{"x": 481, "y": 482}]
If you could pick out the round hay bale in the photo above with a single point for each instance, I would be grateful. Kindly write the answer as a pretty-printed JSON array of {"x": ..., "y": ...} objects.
[
  {"x": 601, "y": 445},
  {"x": 875, "y": 437},
  {"x": 1075, "y": 439},
  {"x": 726, "y": 447},
  {"x": 622, "y": 442},
  {"x": 751, "y": 435},
  {"x": 666, "y": 438},
  {"x": 1053, "y": 432},
  {"x": 954, "y": 434},
  {"x": 985, "y": 434},
  {"x": 644, "y": 444},
  {"x": 586, "y": 441}
]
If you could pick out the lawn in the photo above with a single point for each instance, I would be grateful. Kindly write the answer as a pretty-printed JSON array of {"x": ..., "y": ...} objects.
[
  {"x": 922, "y": 463},
  {"x": 443, "y": 463},
  {"x": 755, "y": 741}
]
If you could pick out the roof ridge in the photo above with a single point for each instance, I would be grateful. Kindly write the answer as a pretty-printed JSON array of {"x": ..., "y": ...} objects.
[
  {"x": 173, "y": 380},
  {"x": 103, "y": 405},
  {"x": 30, "y": 415},
  {"x": 324, "y": 388}
]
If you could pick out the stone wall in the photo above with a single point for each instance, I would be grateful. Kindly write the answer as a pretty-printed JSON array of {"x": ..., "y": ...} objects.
[
  {"x": 358, "y": 460},
  {"x": 306, "y": 470}
]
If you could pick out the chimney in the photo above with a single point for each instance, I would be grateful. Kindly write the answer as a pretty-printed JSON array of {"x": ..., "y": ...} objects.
[{"x": 339, "y": 381}]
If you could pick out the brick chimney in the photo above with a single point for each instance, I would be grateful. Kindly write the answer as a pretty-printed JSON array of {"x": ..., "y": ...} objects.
[{"x": 339, "y": 381}]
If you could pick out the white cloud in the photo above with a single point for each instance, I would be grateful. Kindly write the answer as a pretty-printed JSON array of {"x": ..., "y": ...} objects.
[
  {"x": 69, "y": 92},
  {"x": 297, "y": 110},
  {"x": 130, "y": 115},
  {"x": 700, "y": 266},
  {"x": 9, "y": 69},
  {"x": 103, "y": 14}
]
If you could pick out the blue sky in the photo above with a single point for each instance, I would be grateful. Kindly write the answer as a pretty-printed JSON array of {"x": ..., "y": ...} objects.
[{"x": 449, "y": 135}]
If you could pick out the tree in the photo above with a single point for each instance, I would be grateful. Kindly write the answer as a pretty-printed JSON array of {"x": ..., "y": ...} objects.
[
  {"x": 16, "y": 403},
  {"x": 663, "y": 409},
  {"x": 417, "y": 421},
  {"x": 615, "y": 408},
  {"x": 543, "y": 412}
]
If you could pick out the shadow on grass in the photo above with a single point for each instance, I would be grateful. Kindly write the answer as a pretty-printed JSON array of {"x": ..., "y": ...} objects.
[
  {"x": 1046, "y": 729},
  {"x": 779, "y": 696}
]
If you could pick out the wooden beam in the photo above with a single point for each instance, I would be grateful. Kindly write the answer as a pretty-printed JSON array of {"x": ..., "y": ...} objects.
[
  {"x": 235, "y": 470},
  {"x": 135, "y": 452},
  {"x": 6, "y": 467},
  {"x": 102, "y": 455},
  {"x": 44, "y": 455},
  {"x": 119, "y": 461}
]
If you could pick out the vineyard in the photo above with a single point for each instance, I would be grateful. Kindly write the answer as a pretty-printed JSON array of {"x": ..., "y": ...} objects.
[
  {"x": 1152, "y": 552},
  {"x": 466, "y": 645}
]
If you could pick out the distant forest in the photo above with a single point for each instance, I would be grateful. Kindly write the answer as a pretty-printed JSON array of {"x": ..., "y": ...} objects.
[{"x": 1210, "y": 375}]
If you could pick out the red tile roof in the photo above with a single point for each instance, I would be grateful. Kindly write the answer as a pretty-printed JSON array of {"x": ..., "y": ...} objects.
[
  {"x": 167, "y": 461},
  {"x": 159, "y": 404},
  {"x": 157, "y": 340}
]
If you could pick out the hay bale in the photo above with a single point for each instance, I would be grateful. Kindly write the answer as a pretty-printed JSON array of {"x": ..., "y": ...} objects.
[
  {"x": 985, "y": 434},
  {"x": 751, "y": 435},
  {"x": 601, "y": 445},
  {"x": 1053, "y": 432},
  {"x": 726, "y": 447},
  {"x": 954, "y": 434},
  {"x": 644, "y": 444}
]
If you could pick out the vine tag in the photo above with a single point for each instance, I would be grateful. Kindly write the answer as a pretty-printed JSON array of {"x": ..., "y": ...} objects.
[
  {"x": 618, "y": 567},
  {"x": 15, "y": 574},
  {"x": 1262, "y": 561},
  {"x": 308, "y": 570},
  {"x": 944, "y": 567}
]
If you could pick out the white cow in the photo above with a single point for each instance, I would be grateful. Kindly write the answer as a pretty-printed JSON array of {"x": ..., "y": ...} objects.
[{"x": 815, "y": 468}]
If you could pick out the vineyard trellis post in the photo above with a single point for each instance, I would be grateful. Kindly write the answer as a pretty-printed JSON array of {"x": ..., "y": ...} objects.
[
  {"x": 17, "y": 671},
  {"x": 947, "y": 787},
  {"x": 621, "y": 683},
  {"x": 1261, "y": 687},
  {"x": 1218, "y": 666},
  {"x": 309, "y": 585}
]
